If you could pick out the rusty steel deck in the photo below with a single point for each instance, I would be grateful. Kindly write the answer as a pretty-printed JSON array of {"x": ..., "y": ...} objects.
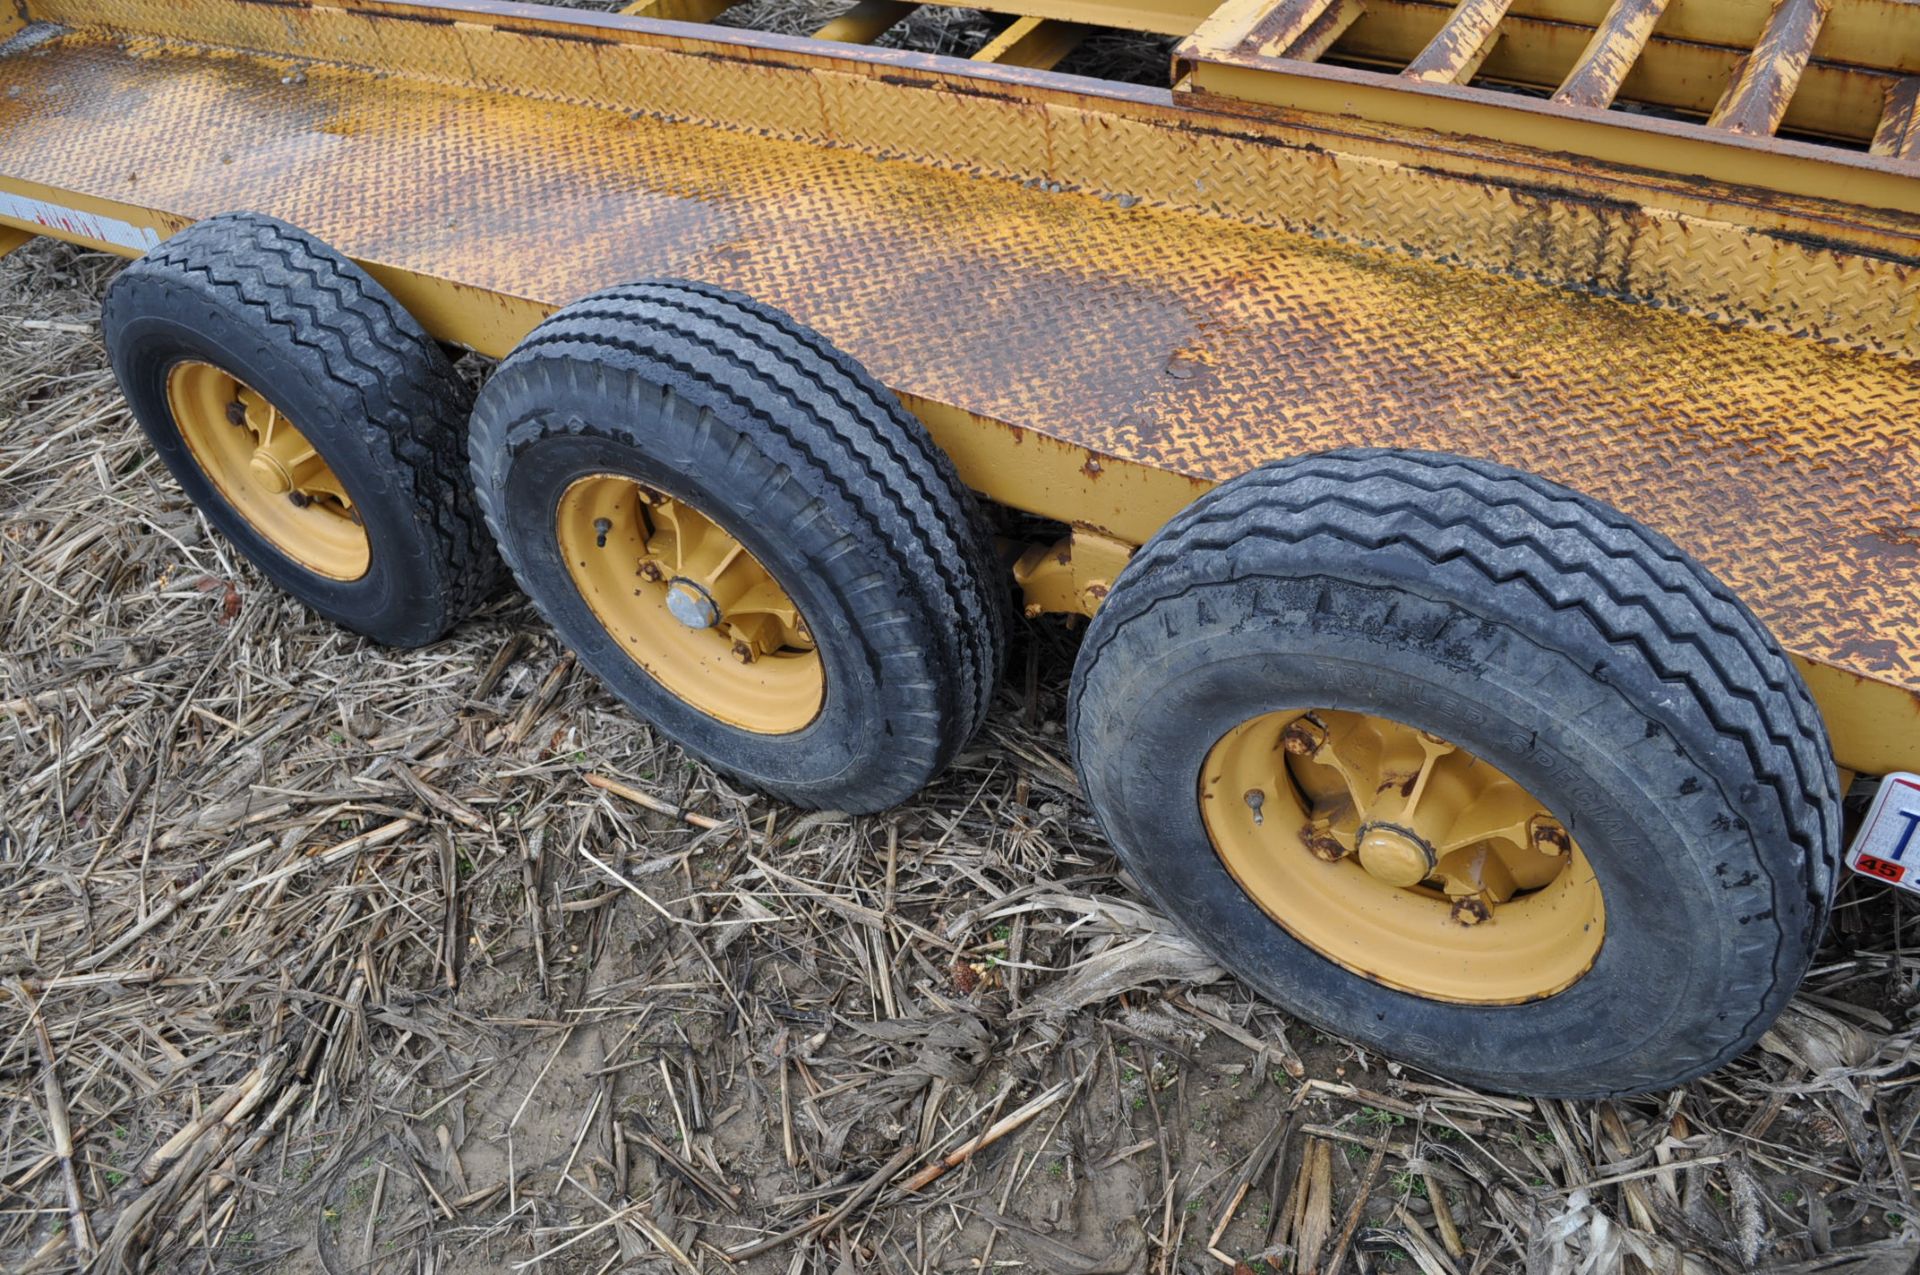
[{"x": 1097, "y": 360}]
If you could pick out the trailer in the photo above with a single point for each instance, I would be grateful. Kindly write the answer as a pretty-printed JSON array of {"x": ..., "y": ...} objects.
[{"x": 1477, "y": 433}]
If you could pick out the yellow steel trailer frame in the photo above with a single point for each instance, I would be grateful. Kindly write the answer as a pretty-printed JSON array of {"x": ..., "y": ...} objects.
[{"x": 1560, "y": 234}]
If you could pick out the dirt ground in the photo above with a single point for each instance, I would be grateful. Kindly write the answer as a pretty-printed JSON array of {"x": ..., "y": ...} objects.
[{"x": 320, "y": 957}]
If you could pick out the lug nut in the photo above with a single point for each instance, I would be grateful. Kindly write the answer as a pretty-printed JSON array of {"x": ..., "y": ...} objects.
[
  {"x": 1318, "y": 834},
  {"x": 237, "y": 414},
  {"x": 650, "y": 570},
  {"x": 743, "y": 652},
  {"x": 1471, "y": 910},
  {"x": 1549, "y": 835},
  {"x": 299, "y": 499},
  {"x": 1256, "y": 799},
  {"x": 1303, "y": 737}
]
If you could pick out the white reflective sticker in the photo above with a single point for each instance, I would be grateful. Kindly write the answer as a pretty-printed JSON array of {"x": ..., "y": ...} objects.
[
  {"x": 81, "y": 225},
  {"x": 1887, "y": 847}
]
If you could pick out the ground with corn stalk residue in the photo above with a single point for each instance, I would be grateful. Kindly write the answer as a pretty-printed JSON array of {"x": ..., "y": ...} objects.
[{"x": 323, "y": 957}]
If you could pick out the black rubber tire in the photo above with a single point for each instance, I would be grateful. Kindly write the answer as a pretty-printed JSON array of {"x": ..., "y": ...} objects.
[
  {"x": 1581, "y": 653},
  {"x": 765, "y": 427},
  {"x": 329, "y": 347}
]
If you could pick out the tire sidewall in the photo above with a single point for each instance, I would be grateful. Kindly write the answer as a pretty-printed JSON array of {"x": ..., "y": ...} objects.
[{"x": 1264, "y": 645}]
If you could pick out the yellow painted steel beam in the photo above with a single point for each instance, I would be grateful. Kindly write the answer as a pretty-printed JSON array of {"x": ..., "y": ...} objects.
[
  {"x": 1866, "y": 34},
  {"x": 1796, "y": 169},
  {"x": 1610, "y": 53},
  {"x": 1160, "y": 17},
  {"x": 1072, "y": 576},
  {"x": 1897, "y": 135},
  {"x": 1259, "y": 30},
  {"x": 1275, "y": 28},
  {"x": 12, "y": 237},
  {"x": 1039, "y": 43},
  {"x": 1756, "y": 100},
  {"x": 1109, "y": 496},
  {"x": 1458, "y": 48},
  {"x": 1872, "y": 731},
  {"x": 866, "y": 22},
  {"x": 1874, "y": 34},
  {"x": 1327, "y": 29},
  {"x": 1832, "y": 100}
]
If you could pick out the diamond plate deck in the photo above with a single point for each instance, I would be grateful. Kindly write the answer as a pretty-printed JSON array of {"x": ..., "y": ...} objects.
[{"x": 1145, "y": 338}]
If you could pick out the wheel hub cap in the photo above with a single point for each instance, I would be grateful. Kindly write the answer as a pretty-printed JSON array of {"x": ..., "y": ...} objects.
[
  {"x": 1394, "y": 855},
  {"x": 692, "y": 605},
  {"x": 270, "y": 473}
]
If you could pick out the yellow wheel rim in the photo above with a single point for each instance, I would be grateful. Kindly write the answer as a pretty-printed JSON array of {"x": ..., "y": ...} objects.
[
  {"x": 690, "y": 605},
  {"x": 268, "y": 471},
  {"x": 1402, "y": 857}
]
